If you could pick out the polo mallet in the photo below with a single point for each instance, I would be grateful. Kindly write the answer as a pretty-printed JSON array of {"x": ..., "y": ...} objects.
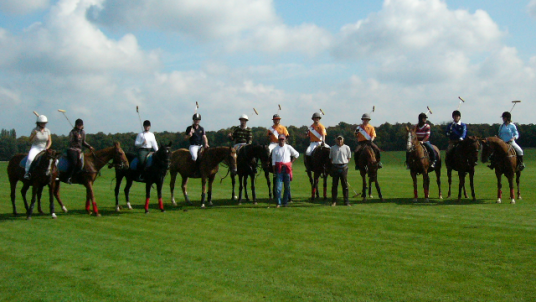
[
  {"x": 36, "y": 114},
  {"x": 279, "y": 108},
  {"x": 373, "y": 109},
  {"x": 139, "y": 117},
  {"x": 429, "y": 110},
  {"x": 322, "y": 111},
  {"x": 460, "y": 103},
  {"x": 515, "y": 102},
  {"x": 196, "y": 107},
  {"x": 63, "y": 111},
  {"x": 255, "y": 110}
]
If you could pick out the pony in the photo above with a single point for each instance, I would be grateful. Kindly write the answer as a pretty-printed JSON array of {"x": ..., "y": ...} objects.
[
  {"x": 367, "y": 164},
  {"x": 318, "y": 166},
  {"x": 181, "y": 162},
  {"x": 153, "y": 174},
  {"x": 247, "y": 160},
  {"x": 505, "y": 163},
  {"x": 93, "y": 163},
  {"x": 463, "y": 159},
  {"x": 419, "y": 163},
  {"x": 44, "y": 173}
]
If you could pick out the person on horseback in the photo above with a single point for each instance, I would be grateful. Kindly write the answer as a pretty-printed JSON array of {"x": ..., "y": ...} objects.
[
  {"x": 196, "y": 134},
  {"x": 77, "y": 139},
  {"x": 317, "y": 134},
  {"x": 340, "y": 155},
  {"x": 422, "y": 130},
  {"x": 456, "y": 132},
  {"x": 145, "y": 142},
  {"x": 283, "y": 156},
  {"x": 366, "y": 134},
  {"x": 275, "y": 131},
  {"x": 241, "y": 135},
  {"x": 508, "y": 133},
  {"x": 40, "y": 139}
]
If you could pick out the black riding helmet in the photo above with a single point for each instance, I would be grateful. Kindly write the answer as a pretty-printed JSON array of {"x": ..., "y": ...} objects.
[
  {"x": 422, "y": 115},
  {"x": 196, "y": 116},
  {"x": 507, "y": 115},
  {"x": 456, "y": 113},
  {"x": 79, "y": 122},
  {"x": 146, "y": 123}
]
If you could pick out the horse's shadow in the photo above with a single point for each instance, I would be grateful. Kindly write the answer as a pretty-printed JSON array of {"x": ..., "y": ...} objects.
[{"x": 421, "y": 202}]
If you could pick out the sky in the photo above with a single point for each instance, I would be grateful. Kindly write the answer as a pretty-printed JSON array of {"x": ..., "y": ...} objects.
[{"x": 99, "y": 59}]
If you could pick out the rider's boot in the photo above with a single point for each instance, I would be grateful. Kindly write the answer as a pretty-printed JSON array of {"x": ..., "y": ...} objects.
[{"x": 520, "y": 164}]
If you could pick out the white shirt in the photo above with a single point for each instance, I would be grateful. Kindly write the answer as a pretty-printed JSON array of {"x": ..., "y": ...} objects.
[
  {"x": 283, "y": 154},
  {"x": 150, "y": 141}
]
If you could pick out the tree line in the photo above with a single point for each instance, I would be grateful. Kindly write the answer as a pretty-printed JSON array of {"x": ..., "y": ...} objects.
[{"x": 390, "y": 137}]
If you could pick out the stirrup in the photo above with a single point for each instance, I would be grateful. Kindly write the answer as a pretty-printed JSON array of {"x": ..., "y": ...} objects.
[
  {"x": 27, "y": 176},
  {"x": 380, "y": 165}
]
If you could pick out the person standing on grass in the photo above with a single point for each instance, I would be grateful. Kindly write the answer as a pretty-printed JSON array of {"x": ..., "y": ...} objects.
[
  {"x": 283, "y": 156},
  {"x": 339, "y": 155}
]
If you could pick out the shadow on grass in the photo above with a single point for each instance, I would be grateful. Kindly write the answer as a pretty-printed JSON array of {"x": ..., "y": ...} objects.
[{"x": 421, "y": 202}]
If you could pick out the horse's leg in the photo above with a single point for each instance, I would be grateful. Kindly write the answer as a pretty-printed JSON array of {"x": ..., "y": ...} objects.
[
  {"x": 23, "y": 191},
  {"x": 118, "y": 179},
  {"x": 128, "y": 185},
  {"x": 370, "y": 181},
  {"x": 518, "y": 175},
  {"x": 245, "y": 187},
  {"x": 314, "y": 193},
  {"x": 253, "y": 193},
  {"x": 91, "y": 195},
  {"x": 147, "y": 195},
  {"x": 511, "y": 185},
  {"x": 39, "y": 194},
  {"x": 13, "y": 183},
  {"x": 415, "y": 192},
  {"x": 32, "y": 204},
  {"x": 51, "y": 198},
  {"x": 377, "y": 184},
  {"x": 311, "y": 181},
  {"x": 159, "y": 185},
  {"x": 438, "y": 179},
  {"x": 464, "y": 189},
  {"x": 471, "y": 183},
  {"x": 240, "y": 188},
  {"x": 203, "y": 191},
  {"x": 364, "y": 178},
  {"x": 209, "y": 192},
  {"x": 57, "y": 195},
  {"x": 184, "y": 191},
  {"x": 461, "y": 185},
  {"x": 449, "y": 176},
  {"x": 325, "y": 179},
  {"x": 426, "y": 186},
  {"x": 270, "y": 190},
  {"x": 173, "y": 175},
  {"x": 499, "y": 185}
]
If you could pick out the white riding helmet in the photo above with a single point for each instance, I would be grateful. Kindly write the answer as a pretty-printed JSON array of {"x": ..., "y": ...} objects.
[
  {"x": 42, "y": 119},
  {"x": 243, "y": 116}
]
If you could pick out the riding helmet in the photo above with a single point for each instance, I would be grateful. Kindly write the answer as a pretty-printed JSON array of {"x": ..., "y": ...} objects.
[
  {"x": 196, "y": 116},
  {"x": 507, "y": 115},
  {"x": 276, "y": 117},
  {"x": 243, "y": 117},
  {"x": 146, "y": 123},
  {"x": 422, "y": 115},
  {"x": 42, "y": 119},
  {"x": 79, "y": 122},
  {"x": 316, "y": 115},
  {"x": 365, "y": 116},
  {"x": 456, "y": 113}
]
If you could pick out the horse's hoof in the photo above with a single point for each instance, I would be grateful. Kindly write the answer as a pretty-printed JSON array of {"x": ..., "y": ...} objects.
[
  {"x": 426, "y": 200},
  {"x": 499, "y": 200},
  {"x": 474, "y": 198},
  {"x": 382, "y": 200},
  {"x": 203, "y": 205},
  {"x": 364, "y": 199},
  {"x": 41, "y": 212},
  {"x": 370, "y": 196},
  {"x": 146, "y": 212},
  {"x": 414, "y": 199},
  {"x": 98, "y": 215},
  {"x": 28, "y": 218},
  {"x": 163, "y": 211},
  {"x": 513, "y": 201},
  {"x": 54, "y": 216},
  {"x": 441, "y": 197},
  {"x": 210, "y": 203},
  {"x": 448, "y": 196},
  {"x": 333, "y": 204},
  {"x": 459, "y": 200},
  {"x": 129, "y": 206},
  {"x": 255, "y": 203},
  {"x": 118, "y": 209},
  {"x": 64, "y": 209},
  {"x": 235, "y": 197},
  {"x": 519, "y": 197},
  {"x": 239, "y": 203}
]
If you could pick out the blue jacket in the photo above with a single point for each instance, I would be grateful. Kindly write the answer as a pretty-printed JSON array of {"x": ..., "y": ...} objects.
[
  {"x": 507, "y": 132},
  {"x": 456, "y": 131}
]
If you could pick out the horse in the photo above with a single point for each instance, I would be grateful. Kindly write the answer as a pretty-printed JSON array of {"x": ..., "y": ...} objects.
[
  {"x": 505, "y": 163},
  {"x": 181, "y": 162},
  {"x": 319, "y": 165},
  {"x": 463, "y": 159},
  {"x": 247, "y": 160},
  {"x": 368, "y": 164},
  {"x": 93, "y": 162},
  {"x": 153, "y": 174},
  {"x": 419, "y": 163},
  {"x": 44, "y": 173}
]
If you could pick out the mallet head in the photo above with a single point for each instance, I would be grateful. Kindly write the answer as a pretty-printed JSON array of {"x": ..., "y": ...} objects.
[
  {"x": 36, "y": 114},
  {"x": 61, "y": 110},
  {"x": 255, "y": 110},
  {"x": 322, "y": 111}
]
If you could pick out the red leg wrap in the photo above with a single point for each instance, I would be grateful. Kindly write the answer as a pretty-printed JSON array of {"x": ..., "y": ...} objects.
[
  {"x": 147, "y": 204},
  {"x": 87, "y": 206},
  {"x": 415, "y": 193},
  {"x": 512, "y": 196},
  {"x": 500, "y": 194},
  {"x": 95, "y": 209},
  {"x": 426, "y": 195},
  {"x": 161, "y": 204}
]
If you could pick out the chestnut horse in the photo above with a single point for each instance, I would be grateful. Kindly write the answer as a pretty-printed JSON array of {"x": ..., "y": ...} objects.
[
  {"x": 318, "y": 166},
  {"x": 463, "y": 159},
  {"x": 505, "y": 163},
  {"x": 181, "y": 162},
  {"x": 93, "y": 162},
  {"x": 247, "y": 160},
  {"x": 153, "y": 174},
  {"x": 368, "y": 164},
  {"x": 419, "y": 163},
  {"x": 43, "y": 174}
]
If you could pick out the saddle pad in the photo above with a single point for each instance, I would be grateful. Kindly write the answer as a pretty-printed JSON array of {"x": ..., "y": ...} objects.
[
  {"x": 34, "y": 162},
  {"x": 64, "y": 163},
  {"x": 148, "y": 162}
]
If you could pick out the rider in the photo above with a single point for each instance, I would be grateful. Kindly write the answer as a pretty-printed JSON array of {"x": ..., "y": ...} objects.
[
  {"x": 196, "y": 134},
  {"x": 422, "y": 130},
  {"x": 40, "y": 139},
  {"x": 77, "y": 139},
  {"x": 508, "y": 133},
  {"x": 241, "y": 135},
  {"x": 317, "y": 134},
  {"x": 456, "y": 132},
  {"x": 366, "y": 134},
  {"x": 145, "y": 142},
  {"x": 274, "y": 132}
]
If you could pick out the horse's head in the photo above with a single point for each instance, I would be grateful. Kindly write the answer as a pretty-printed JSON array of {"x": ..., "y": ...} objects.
[
  {"x": 51, "y": 157},
  {"x": 486, "y": 150},
  {"x": 471, "y": 147},
  {"x": 412, "y": 136},
  {"x": 163, "y": 156},
  {"x": 263, "y": 153},
  {"x": 230, "y": 160},
  {"x": 120, "y": 158}
]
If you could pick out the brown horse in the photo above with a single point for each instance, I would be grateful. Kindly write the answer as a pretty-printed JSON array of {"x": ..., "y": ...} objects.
[
  {"x": 247, "y": 160},
  {"x": 505, "y": 163},
  {"x": 93, "y": 162},
  {"x": 419, "y": 163},
  {"x": 463, "y": 159},
  {"x": 368, "y": 164},
  {"x": 43, "y": 174},
  {"x": 318, "y": 166},
  {"x": 181, "y": 162}
]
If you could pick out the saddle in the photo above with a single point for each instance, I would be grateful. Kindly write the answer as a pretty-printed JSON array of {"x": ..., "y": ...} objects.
[
  {"x": 64, "y": 164},
  {"x": 35, "y": 162},
  {"x": 148, "y": 162}
]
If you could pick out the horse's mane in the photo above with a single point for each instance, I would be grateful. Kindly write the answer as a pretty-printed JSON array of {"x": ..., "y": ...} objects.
[{"x": 498, "y": 145}]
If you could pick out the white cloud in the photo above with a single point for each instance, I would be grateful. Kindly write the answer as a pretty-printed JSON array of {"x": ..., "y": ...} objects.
[
  {"x": 22, "y": 6},
  {"x": 531, "y": 7}
]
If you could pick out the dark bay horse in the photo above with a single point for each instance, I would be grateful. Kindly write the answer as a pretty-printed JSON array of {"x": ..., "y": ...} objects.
[
  {"x": 463, "y": 159},
  {"x": 44, "y": 173},
  {"x": 154, "y": 174},
  {"x": 368, "y": 164},
  {"x": 181, "y": 162},
  {"x": 505, "y": 163},
  {"x": 419, "y": 163},
  {"x": 93, "y": 162},
  {"x": 319, "y": 165},
  {"x": 247, "y": 161}
]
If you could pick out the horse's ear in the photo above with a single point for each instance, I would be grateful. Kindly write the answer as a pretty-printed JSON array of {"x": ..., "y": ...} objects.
[
  {"x": 169, "y": 144},
  {"x": 117, "y": 144},
  {"x": 407, "y": 128}
]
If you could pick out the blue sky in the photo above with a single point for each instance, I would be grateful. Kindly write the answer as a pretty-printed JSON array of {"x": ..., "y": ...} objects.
[{"x": 99, "y": 59}]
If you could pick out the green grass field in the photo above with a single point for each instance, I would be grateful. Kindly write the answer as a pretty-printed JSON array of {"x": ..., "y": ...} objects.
[{"x": 395, "y": 250}]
